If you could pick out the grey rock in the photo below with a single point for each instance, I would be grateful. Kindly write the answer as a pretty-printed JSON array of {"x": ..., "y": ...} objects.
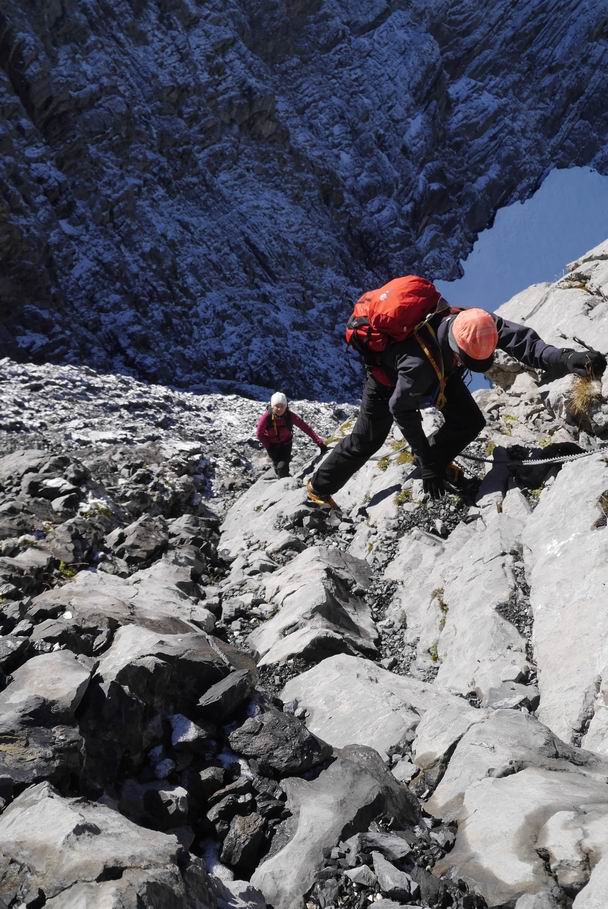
[
  {"x": 565, "y": 559},
  {"x": 142, "y": 541},
  {"x": 237, "y": 895},
  {"x": 239, "y": 787},
  {"x": 190, "y": 529},
  {"x": 543, "y": 900},
  {"x": 391, "y": 881},
  {"x": 141, "y": 674},
  {"x": 280, "y": 744},
  {"x": 204, "y": 783},
  {"x": 501, "y": 744},
  {"x": 353, "y": 790},
  {"x": 351, "y": 700},
  {"x": 362, "y": 875},
  {"x": 60, "y": 845},
  {"x": 387, "y": 904},
  {"x": 243, "y": 842},
  {"x": 512, "y": 695},
  {"x": 76, "y": 540},
  {"x": 392, "y": 847},
  {"x": 159, "y": 804},
  {"x": 221, "y": 700},
  {"x": 252, "y": 521},
  {"x": 14, "y": 466},
  {"x": 33, "y": 754},
  {"x": 26, "y": 572},
  {"x": 538, "y": 809},
  {"x": 92, "y": 606},
  {"x": 317, "y": 614},
  {"x": 45, "y": 691},
  {"x": 186, "y": 735},
  {"x": 13, "y": 650},
  {"x": 404, "y": 770}
]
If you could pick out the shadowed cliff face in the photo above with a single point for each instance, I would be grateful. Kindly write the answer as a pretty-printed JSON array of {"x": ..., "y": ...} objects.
[{"x": 194, "y": 191}]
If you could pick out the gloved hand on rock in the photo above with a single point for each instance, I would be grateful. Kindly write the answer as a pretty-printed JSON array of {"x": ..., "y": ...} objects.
[
  {"x": 433, "y": 481},
  {"x": 589, "y": 363}
]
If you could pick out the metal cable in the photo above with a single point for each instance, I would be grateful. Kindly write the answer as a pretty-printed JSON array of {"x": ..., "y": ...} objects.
[{"x": 531, "y": 461}]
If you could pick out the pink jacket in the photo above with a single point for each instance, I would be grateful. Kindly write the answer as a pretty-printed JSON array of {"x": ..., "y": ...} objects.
[{"x": 273, "y": 430}]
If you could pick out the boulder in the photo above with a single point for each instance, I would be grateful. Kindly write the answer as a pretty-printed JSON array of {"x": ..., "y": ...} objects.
[
  {"x": 140, "y": 542},
  {"x": 13, "y": 650},
  {"x": 501, "y": 860},
  {"x": 243, "y": 842},
  {"x": 393, "y": 882},
  {"x": 45, "y": 691},
  {"x": 504, "y": 742},
  {"x": 142, "y": 675},
  {"x": 457, "y": 600},
  {"x": 14, "y": 466},
  {"x": 343, "y": 799},
  {"x": 350, "y": 700},
  {"x": 31, "y": 754},
  {"x": 566, "y": 551},
  {"x": 87, "y": 611},
  {"x": 280, "y": 744},
  {"x": 318, "y": 614},
  {"x": 221, "y": 700},
  {"x": 71, "y": 852},
  {"x": 253, "y": 521}
]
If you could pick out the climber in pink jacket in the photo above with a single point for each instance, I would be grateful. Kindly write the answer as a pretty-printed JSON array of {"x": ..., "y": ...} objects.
[{"x": 274, "y": 431}]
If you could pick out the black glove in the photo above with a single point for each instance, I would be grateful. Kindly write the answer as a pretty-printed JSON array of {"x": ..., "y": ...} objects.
[
  {"x": 432, "y": 481},
  {"x": 584, "y": 362},
  {"x": 323, "y": 448}
]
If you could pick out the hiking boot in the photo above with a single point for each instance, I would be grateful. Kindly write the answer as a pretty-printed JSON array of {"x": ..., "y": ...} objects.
[
  {"x": 457, "y": 480},
  {"x": 316, "y": 498},
  {"x": 455, "y": 475}
]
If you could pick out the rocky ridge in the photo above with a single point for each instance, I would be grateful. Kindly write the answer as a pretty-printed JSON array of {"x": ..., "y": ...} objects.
[
  {"x": 198, "y": 192},
  {"x": 212, "y": 695}
]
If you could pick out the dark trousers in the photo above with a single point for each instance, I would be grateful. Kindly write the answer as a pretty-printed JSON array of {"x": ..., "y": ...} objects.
[
  {"x": 280, "y": 455},
  {"x": 463, "y": 423}
]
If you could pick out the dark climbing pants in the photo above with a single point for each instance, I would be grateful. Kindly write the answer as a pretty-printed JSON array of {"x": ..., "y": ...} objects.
[
  {"x": 463, "y": 423},
  {"x": 280, "y": 455}
]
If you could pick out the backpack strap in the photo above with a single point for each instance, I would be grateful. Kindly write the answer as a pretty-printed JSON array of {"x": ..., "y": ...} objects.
[
  {"x": 286, "y": 416},
  {"x": 435, "y": 358}
]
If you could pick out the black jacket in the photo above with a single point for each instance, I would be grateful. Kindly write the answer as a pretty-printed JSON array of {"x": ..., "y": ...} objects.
[{"x": 417, "y": 384}]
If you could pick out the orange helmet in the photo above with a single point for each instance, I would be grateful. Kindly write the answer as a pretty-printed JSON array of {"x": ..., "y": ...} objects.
[{"x": 473, "y": 335}]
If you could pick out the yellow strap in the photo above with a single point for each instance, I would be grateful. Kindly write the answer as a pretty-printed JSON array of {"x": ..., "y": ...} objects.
[
  {"x": 438, "y": 368},
  {"x": 275, "y": 424}
]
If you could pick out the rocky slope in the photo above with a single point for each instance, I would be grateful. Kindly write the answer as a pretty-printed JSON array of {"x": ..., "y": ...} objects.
[
  {"x": 197, "y": 192},
  {"x": 213, "y": 696}
]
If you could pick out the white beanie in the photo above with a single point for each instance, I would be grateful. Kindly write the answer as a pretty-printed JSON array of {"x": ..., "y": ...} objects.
[{"x": 278, "y": 399}]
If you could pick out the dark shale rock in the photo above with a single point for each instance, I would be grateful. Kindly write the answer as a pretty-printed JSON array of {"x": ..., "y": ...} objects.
[
  {"x": 13, "y": 650},
  {"x": 32, "y": 754},
  {"x": 243, "y": 842},
  {"x": 280, "y": 744},
  {"x": 392, "y": 882},
  {"x": 223, "y": 698},
  {"x": 142, "y": 541},
  {"x": 142, "y": 674}
]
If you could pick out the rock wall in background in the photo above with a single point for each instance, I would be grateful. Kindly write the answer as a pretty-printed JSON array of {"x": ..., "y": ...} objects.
[{"x": 195, "y": 192}]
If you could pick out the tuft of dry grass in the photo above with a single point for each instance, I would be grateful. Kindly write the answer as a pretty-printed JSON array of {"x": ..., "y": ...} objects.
[
  {"x": 404, "y": 457},
  {"x": 404, "y": 496},
  {"x": 584, "y": 396}
]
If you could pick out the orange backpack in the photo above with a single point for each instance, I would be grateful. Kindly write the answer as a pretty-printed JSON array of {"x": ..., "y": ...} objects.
[{"x": 390, "y": 313}]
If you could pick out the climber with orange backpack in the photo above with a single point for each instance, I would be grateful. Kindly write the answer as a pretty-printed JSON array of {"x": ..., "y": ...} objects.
[
  {"x": 416, "y": 350},
  {"x": 275, "y": 432}
]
